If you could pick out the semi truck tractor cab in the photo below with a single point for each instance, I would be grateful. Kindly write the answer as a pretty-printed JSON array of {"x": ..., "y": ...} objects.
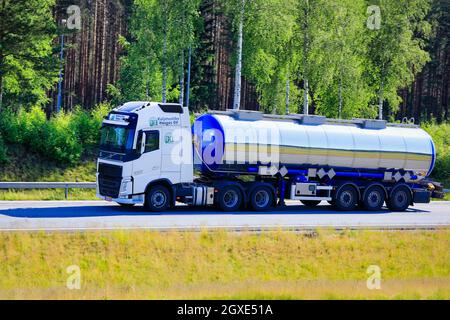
[
  {"x": 249, "y": 160},
  {"x": 141, "y": 148}
]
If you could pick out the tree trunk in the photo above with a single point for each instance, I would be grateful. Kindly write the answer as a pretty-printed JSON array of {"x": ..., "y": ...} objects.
[
  {"x": 164, "y": 82},
  {"x": 288, "y": 89},
  {"x": 61, "y": 66},
  {"x": 188, "y": 85},
  {"x": 147, "y": 83},
  {"x": 305, "y": 61},
  {"x": 181, "y": 99},
  {"x": 380, "y": 101},
  {"x": 1, "y": 92},
  {"x": 340, "y": 97},
  {"x": 237, "y": 79},
  {"x": 305, "y": 96}
]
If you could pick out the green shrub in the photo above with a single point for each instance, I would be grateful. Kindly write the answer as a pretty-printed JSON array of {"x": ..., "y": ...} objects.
[
  {"x": 88, "y": 125},
  {"x": 9, "y": 127},
  {"x": 63, "y": 140},
  {"x": 3, "y": 156},
  {"x": 34, "y": 130},
  {"x": 98, "y": 114},
  {"x": 441, "y": 137}
]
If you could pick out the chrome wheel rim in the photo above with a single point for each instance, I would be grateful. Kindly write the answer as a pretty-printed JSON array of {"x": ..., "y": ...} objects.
[{"x": 158, "y": 199}]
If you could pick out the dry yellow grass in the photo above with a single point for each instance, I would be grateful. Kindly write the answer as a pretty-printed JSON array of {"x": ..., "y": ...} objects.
[{"x": 285, "y": 265}]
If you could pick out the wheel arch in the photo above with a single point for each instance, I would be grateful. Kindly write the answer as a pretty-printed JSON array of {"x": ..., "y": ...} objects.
[
  {"x": 347, "y": 183},
  {"x": 165, "y": 183}
]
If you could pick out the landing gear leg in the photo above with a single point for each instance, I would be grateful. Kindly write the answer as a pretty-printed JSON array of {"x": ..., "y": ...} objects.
[{"x": 281, "y": 190}]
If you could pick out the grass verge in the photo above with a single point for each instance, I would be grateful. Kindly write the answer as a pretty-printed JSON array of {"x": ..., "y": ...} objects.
[{"x": 269, "y": 265}]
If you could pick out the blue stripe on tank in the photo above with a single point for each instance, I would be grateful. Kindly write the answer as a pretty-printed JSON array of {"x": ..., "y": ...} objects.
[{"x": 433, "y": 157}]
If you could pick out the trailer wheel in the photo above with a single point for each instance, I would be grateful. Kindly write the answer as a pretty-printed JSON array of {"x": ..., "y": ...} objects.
[
  {"x": 261, "y": 198},
  {"x": 311, "y": 203},
  {"x": 373, "y": 199},
  {"x": 346, "y": 198},
  {"x": 229, "y": 198},
  {"x": 157, "y": 199},
  {"x": 400, "y": 199}
]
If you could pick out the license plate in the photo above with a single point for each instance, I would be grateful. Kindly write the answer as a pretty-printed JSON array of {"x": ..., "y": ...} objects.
[{"x": 108, "y": 199}]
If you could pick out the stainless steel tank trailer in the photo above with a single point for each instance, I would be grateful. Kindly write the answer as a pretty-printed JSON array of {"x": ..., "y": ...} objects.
[{"x": 150, "y": 154}]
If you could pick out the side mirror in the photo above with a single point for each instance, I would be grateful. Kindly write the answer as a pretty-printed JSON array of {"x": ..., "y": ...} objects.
[
  {"x": 143, "y": 143},
  {"x": 140, "y": 142}
]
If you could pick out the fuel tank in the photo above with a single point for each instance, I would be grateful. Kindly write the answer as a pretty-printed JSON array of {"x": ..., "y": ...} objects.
[{"x": 229, "y": 143}]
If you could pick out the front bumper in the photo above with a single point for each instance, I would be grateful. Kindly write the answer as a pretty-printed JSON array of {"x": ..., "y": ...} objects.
[{"x": 137, "y": 199}]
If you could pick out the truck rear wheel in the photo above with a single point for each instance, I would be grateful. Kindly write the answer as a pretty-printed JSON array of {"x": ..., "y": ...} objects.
[
  {"x": 229, "y": 198},
  {"x": 346, "y": 198},
  {"x": 400, "y": 199},
  {"x": 373, "y": 199},
  {"x": 157, "y": 199},
  {"x": 261, "y": 198},
  {"x": 311, "y": 203}
]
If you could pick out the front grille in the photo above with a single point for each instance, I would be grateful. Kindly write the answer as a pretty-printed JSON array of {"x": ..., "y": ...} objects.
[
  {"x": 109, "y": 170},
  {"x": 109, "y": 187},
  {"x": 109, "y": 180}
]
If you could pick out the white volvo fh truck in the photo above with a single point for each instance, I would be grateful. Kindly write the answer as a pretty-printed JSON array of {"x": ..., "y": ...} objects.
[{"x": 150, "y": 154}]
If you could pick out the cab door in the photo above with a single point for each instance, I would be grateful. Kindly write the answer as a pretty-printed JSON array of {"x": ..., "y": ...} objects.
[
  {"x": 147, "y": 167},
  {"x": 170, "y": 154}
]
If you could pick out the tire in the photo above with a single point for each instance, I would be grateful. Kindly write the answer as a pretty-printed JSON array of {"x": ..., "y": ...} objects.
[
  {"x": 261, "y": 198},
  {"x": 400, "y": 199},
  {"x": 311, "y": 203},
  {"x": 373, "y": 198},
  {"x": 157, "y": 199},
  {"x": 346, "y": 198},
  {"x": 126, "y": 205},
  {"x": 229, "y": 198}
]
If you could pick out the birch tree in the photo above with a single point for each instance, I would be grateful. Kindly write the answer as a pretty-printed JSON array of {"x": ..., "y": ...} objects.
[
  {"x": 266, "y": 29},
  {"x": 395, "y": 53},
  {"x": 341, "y": 90},
  {"x": 161, "y": 32},
  {"x": 310, "y": 18}
]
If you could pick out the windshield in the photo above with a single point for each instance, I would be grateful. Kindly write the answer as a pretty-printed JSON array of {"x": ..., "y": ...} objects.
[{"x": 116, "y": 138}]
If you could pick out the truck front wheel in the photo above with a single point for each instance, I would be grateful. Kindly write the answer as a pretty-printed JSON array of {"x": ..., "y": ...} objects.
[{"x": 157, "y": 199}]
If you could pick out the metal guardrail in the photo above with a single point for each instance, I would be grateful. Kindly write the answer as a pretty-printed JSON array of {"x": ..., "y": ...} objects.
[{"x": 49, "y": 185}]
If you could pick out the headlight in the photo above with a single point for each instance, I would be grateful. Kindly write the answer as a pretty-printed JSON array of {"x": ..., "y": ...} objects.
[{"x": 126, "y": 187}]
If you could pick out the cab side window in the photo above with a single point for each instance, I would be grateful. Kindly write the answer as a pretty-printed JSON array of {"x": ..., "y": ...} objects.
[{"x": 151, "y": 141}]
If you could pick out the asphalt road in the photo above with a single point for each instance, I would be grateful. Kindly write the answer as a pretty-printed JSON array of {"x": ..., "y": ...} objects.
[{"x": 93, "y": 215}]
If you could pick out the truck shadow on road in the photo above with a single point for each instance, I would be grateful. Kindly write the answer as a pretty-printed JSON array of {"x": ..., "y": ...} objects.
[{"x": 112, "y": 211}]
